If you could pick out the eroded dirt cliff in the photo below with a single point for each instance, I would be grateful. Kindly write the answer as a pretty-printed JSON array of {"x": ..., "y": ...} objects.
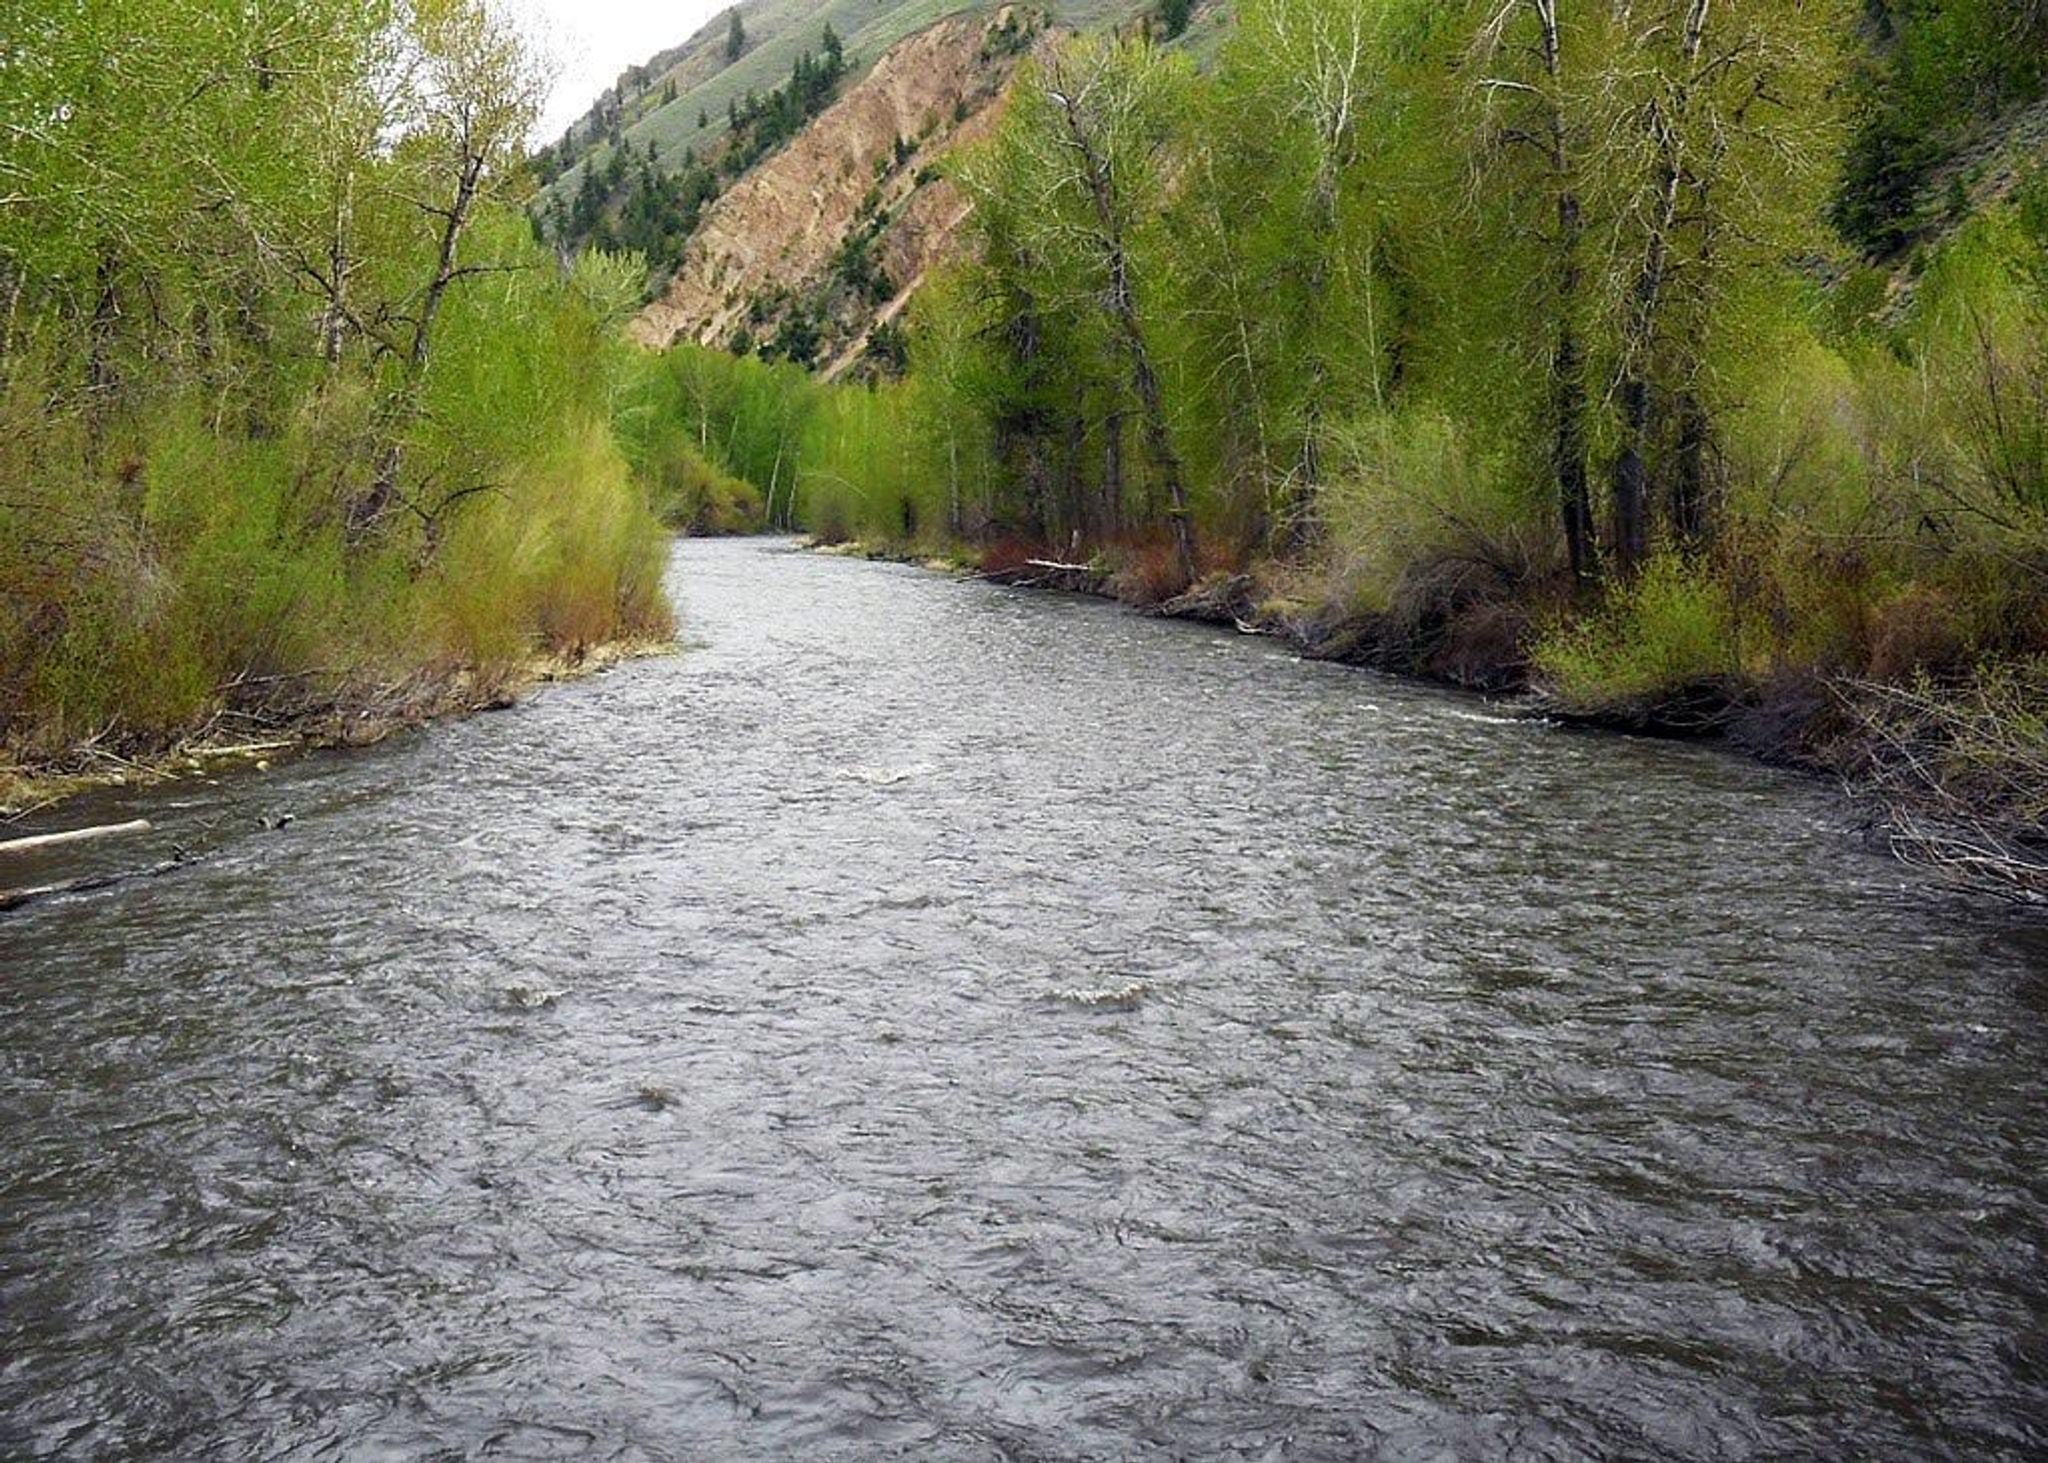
[{"x": 831, "y": 236}]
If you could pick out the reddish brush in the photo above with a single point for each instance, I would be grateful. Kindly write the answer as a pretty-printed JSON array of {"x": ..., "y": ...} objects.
[
  {"x": 1011, "y": 553},
  {"x": 1150, "y": 574},
  {"x": 1916, "y": 631}
]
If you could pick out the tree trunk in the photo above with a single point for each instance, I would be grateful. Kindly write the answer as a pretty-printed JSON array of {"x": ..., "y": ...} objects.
[
  {"x": 1073, "y": 478},
  {"x": 453, "y": 222},
  {"x": 1567, "y": 360},
  {"x": 1631, "y": 467},
  {"x": 1163, "y": 455},
  {"x": 1689, "y": 478},
  {"x": 1124, "y": 306},
  {"x": 1297, "y": 526},
  {"x": 774, "y": 485},
  {"x": 1113, "y": 474},
  {"x": 365, "y": 514},
  {"x": 1568, "y": 452},
  {"x": 1690, "y": 490},
  {"x": 1037, "y": 523},
  {"x": 1631, "y": 474},
  {"x": 334, "y": 319}
]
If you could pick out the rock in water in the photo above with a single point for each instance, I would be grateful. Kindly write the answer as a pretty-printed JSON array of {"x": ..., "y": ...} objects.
[{"x": 1108, "y": 998}]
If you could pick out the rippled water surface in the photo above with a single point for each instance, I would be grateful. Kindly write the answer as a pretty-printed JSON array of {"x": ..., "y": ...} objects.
[{"x": 991, "y": 1026}]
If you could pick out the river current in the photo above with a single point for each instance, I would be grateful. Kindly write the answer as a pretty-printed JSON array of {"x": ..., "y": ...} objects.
[{"x": 925, "y": 1019}]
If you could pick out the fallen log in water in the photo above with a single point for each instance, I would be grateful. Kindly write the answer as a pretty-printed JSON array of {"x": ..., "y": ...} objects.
[
  {"x": 1050, "y": 574},
  {"x": 75, "y": 835},
  {"x": 16, "y": 898}
]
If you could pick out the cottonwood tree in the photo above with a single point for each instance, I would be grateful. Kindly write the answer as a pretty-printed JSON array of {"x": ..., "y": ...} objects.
[
  {"x": 149, "y": 162},
  {"x": 1539, "y": 107},
  {"x": 469, "y": 93},
  {"x": 1650, "y": 155},
  {"x": 1731, "y": 122},
  {"x": 1086, "y": 143},
  {"x": 1285, "y": 235}
]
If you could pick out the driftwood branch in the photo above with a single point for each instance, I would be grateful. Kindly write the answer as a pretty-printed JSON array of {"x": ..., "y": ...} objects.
[
  {"x": 1958, "y": 774},
  {"x": 75, "y": 835}
]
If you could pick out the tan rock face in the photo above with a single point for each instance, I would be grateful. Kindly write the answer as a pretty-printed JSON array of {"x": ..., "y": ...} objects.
[{"x": 778, "y": 228}]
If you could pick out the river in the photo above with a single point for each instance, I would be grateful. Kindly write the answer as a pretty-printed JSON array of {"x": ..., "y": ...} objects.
[{"x": 927, "y": 1019}]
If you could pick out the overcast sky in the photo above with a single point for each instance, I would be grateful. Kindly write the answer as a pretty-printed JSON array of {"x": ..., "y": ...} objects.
[{"x": 592, "y": 41}]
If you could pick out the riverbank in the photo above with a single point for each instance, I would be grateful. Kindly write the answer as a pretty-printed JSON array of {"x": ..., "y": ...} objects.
[
  {"x": 1480, "y": 647},
  {"x": 277, "y": 717},
  {"x": 1954, "y": 774}
]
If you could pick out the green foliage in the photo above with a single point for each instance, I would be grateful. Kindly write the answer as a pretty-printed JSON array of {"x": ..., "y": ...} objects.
[
  {"x": 1412, "y": 491},
  {"x": 1672, "y": 626},
  {"x": 291, "y": 398},
  {"x": 739, "y": 416},
  {"x": 1378, "y": 288},
  {"x": 1940, "y": 68},
  {"x": 868, "y": 470}
]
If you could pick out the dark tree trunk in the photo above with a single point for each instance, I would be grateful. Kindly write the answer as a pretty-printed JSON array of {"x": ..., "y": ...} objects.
[
  {"x": 368, "y": 510},
  {"x": 1689, "y": 477},
  {"x": 1113, "y": 474},
  {"x": 1631, "y": 468},
  {"x": 1073, "y": 478},
  {"x": 1631, "y": 475},
  {"x": 1567, "y": 360},
  {"x": 453, "y": 222},
  {"x": 1568, "y": 453},
  {"x": 1161, "y": 446},
  {"x": 1123, "y": 304}
]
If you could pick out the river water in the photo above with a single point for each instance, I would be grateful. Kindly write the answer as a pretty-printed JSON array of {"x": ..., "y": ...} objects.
[{"x": 931, "y": 1020}]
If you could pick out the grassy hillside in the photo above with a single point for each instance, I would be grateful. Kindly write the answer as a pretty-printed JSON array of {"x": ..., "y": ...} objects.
[{"x": 641, "y": 109}]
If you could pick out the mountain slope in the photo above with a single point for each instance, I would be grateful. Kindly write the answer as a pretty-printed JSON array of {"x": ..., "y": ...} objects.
[
  {"x": 836, "y": 229},
  {"x": 640, "y": 110},
  {"x": 799, "y": 222}
]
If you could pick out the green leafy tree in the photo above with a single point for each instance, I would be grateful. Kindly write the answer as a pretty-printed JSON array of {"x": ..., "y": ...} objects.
[
  {"x": 279, "y": 361},
  {"x": 1086, "y": 139}
]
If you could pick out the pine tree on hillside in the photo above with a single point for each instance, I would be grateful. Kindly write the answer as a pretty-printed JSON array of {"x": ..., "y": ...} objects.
[{"x": 735, "y": 36}]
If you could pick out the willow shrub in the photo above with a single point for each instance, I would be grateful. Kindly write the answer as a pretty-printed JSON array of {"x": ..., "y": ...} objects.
[
  {"x": 1414, "y": 491},
  {"x": 699, "y": 497},
  {"x": 867, "y": 469},
  {"x": 1673, "y": 625},
  {"x": 191, "y": 545}
]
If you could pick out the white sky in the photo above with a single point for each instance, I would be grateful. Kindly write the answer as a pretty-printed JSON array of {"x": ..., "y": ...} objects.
[{"x": 592, "y": 41}]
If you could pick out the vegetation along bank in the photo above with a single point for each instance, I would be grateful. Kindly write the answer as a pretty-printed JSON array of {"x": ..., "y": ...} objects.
[
  {"x": 1686, "y": 362},
  {"x": 299, "y": 427}
]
